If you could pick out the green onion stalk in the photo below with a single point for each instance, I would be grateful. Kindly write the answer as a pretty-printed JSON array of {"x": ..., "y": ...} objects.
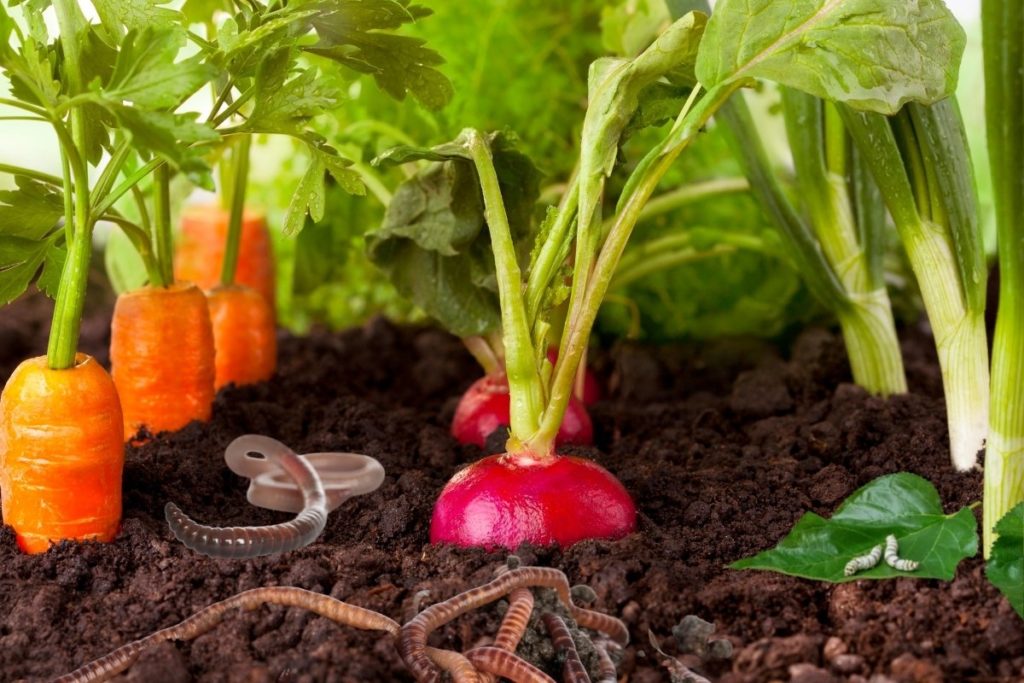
[
  {"x": 1002, "y": 28},
  {"x": 837, "y": 240},
  {"x": 920, "y": 161}
]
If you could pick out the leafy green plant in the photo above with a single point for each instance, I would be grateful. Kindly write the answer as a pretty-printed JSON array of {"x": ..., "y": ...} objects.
[
  {"x": 1002, "y": 23},
  {"x": 1005, "y": 566},
  {"x": 902, "y": 504}
]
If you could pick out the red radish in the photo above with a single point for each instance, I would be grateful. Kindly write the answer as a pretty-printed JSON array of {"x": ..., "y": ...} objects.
[
  {"x": 485, "y": 407},
  {"x": 591, "y": 385},
  {"x": 505, "y": 500}
]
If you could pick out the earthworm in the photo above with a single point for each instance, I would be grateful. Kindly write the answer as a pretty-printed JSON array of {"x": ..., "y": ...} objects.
[
  {"x": 413, "y": 640},
  {"x": 863, "y": 562},
  {"x": 460, "y": 668},
  {"x": 205, "y": 619},
  {"x": 245, "y": 542},
  {"x": 507, "y": 665},
  {"x": 892, "y": 557},
  {"x": 605, "y": 665},
  {"x": 513, "y": 625},
  {"x": 573, "y": 670}
]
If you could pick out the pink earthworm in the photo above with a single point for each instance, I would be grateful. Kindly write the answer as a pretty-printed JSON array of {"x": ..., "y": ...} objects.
[
  {"x": 573, "y": 670},
  {"x": 458, "y": 667},
  {"x": 503, "y": 663},
  {"x": 110, "y": 665}
]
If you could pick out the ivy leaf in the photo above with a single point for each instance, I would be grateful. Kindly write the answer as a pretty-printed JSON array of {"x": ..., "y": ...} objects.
[
  {"x": 31, "y": 211},
  {"x": 871, "y": 54},
  {"x": 117, "y": 16},
  {"x": 353, "y": 33},
  {"x": 147, "y": 75},
  {"x": 20, "y": 260},
  {"x": 902, "y": 504},
  {"x": 1005, "y": 567}
]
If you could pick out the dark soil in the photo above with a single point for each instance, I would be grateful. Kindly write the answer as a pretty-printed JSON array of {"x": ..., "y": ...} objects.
[{"x": 723, "y": 447}]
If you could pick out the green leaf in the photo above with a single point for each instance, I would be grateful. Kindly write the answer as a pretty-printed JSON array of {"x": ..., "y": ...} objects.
[
  {"x": 285, "y": 106},
  {"x": 902, "y": 504},
  {"x": 147, "y": 75},
  {"x": 31, "y": 211},
  {"x": 871, "y": 54},
  {"x": 1005, "y": 567},
  {"x": 308, "y": 198},
  {"x": 202, "y": 11},
  {"x": 434, "y": 245},
  {"x": 121, "y": 15},
  {"x": 20, "y": 259},
  {"x": 169, "y": 136},
  {"x": 352, "y": 33},
  {"x": 53, "y": 266}
]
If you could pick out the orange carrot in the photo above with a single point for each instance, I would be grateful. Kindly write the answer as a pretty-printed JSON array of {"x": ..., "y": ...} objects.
[
  {"x": 162, "y": 357},
  {"x": 200, "y": 252},
  {"x": 61, "y": 453},
  {"x": 244, "y": 335}
]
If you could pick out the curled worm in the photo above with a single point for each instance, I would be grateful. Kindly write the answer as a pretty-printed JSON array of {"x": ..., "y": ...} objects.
[
  {"x": 892, "y": 557},
  {"x": 859, "y": 564},
  {"x": 573, "y": 670},
  {"x": 245, "y": 542},
  {"x": 506, "y": 664}
]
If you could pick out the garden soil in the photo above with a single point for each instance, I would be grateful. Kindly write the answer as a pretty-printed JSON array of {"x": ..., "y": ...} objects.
[{"x": 723, "y": 446}]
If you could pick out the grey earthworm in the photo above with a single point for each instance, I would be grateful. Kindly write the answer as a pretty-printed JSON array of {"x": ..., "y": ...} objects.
[
  {"x": 573, "y": 670},
  {"x": 245, "y": 542},
  {"x": 863, "y": 562},
  {"x": 413, "y": 640},
  {"x": 507, "y": 665},
  {"x": 110, "y": 665},
  {"x": 892, "y": 556}
]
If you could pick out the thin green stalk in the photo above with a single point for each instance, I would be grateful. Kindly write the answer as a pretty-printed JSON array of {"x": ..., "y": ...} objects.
[
  {"x": 552, "y": 252},
  {"x": 520, "y": 366},
  {"x": 70, "y": 301},
  {"x": 238, "y": 185},
  {"x": 33, "y": 174},
  {"x": 940, "y": 254},
  {"x": 666, "y": 260},
  {"x": 817, "y": 138},
  {"x": 163, "y": 240},
  {"x": 690, "y": 194},
  {"x": 580, "y": 322},
  {"x": 1002, "y": 27},
  {"x": 140, "y": 240}
]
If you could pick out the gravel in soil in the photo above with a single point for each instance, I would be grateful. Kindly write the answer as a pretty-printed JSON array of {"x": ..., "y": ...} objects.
[{"x": 723, "y": 447}]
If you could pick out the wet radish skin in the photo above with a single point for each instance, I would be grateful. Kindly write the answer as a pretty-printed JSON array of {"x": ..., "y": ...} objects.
[
  {"x": 505, "y": 500},
  {"x": 485, "y": 407}
]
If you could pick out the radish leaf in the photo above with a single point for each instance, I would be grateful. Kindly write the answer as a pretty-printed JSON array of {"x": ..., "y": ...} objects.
[
  {"x": 31, "y": 211},
  {"x": 1006, "y": 565},
  {"x": 902, "y": 504},
  {"x": 871, "y": 54}
]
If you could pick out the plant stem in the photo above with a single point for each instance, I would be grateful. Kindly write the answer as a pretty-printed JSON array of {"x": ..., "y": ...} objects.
[
  {"x": 70, "y": 301},
  {"x": 690, "y": 194},
  {"x": 520, "y": 364},
  {"x": 580, "y": 321},
  {"x": 163, "y": 240},
  {"x": 552, "y": 253},
  {"x": 33, "y": 174},
  {"x": 1002, "y": 25},
  {"x": 140, "y": 240},
  {"x": 666, "y": 260},
  {"x": 240, "y": 169},
  {"x": 484, "y": 354}
]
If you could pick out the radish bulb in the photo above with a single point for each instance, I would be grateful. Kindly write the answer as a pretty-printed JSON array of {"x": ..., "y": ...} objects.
[
  {"x": 508, "y": 499},
  {"x": 484, "y": 408}
]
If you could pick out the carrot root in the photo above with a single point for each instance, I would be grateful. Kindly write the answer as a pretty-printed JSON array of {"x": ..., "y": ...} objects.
[
  {"x": 162, "y": 357},
  {"x": 61, "y": 453}
]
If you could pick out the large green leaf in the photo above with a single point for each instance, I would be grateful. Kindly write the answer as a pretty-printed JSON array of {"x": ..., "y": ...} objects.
[
  {"x": 31, "y": 211},
  {"x": 120, "y": 15},
  {"x": 434, "y": 245},
  {"x": 902, "y": 504},
  {"x": 871, "y": 54},
  {"x": 20, "y": 260},
  {"x": 169, "y": 136},
  {"x": 147, "y": 75},
  {"x": 1006, "y": 565},
  {"x": 283, "y": 105}
]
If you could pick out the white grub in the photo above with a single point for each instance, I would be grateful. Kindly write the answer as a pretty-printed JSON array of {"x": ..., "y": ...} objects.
[
  {"x": 863, "y": 562},
  {"x": 892, "y": 556}
]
